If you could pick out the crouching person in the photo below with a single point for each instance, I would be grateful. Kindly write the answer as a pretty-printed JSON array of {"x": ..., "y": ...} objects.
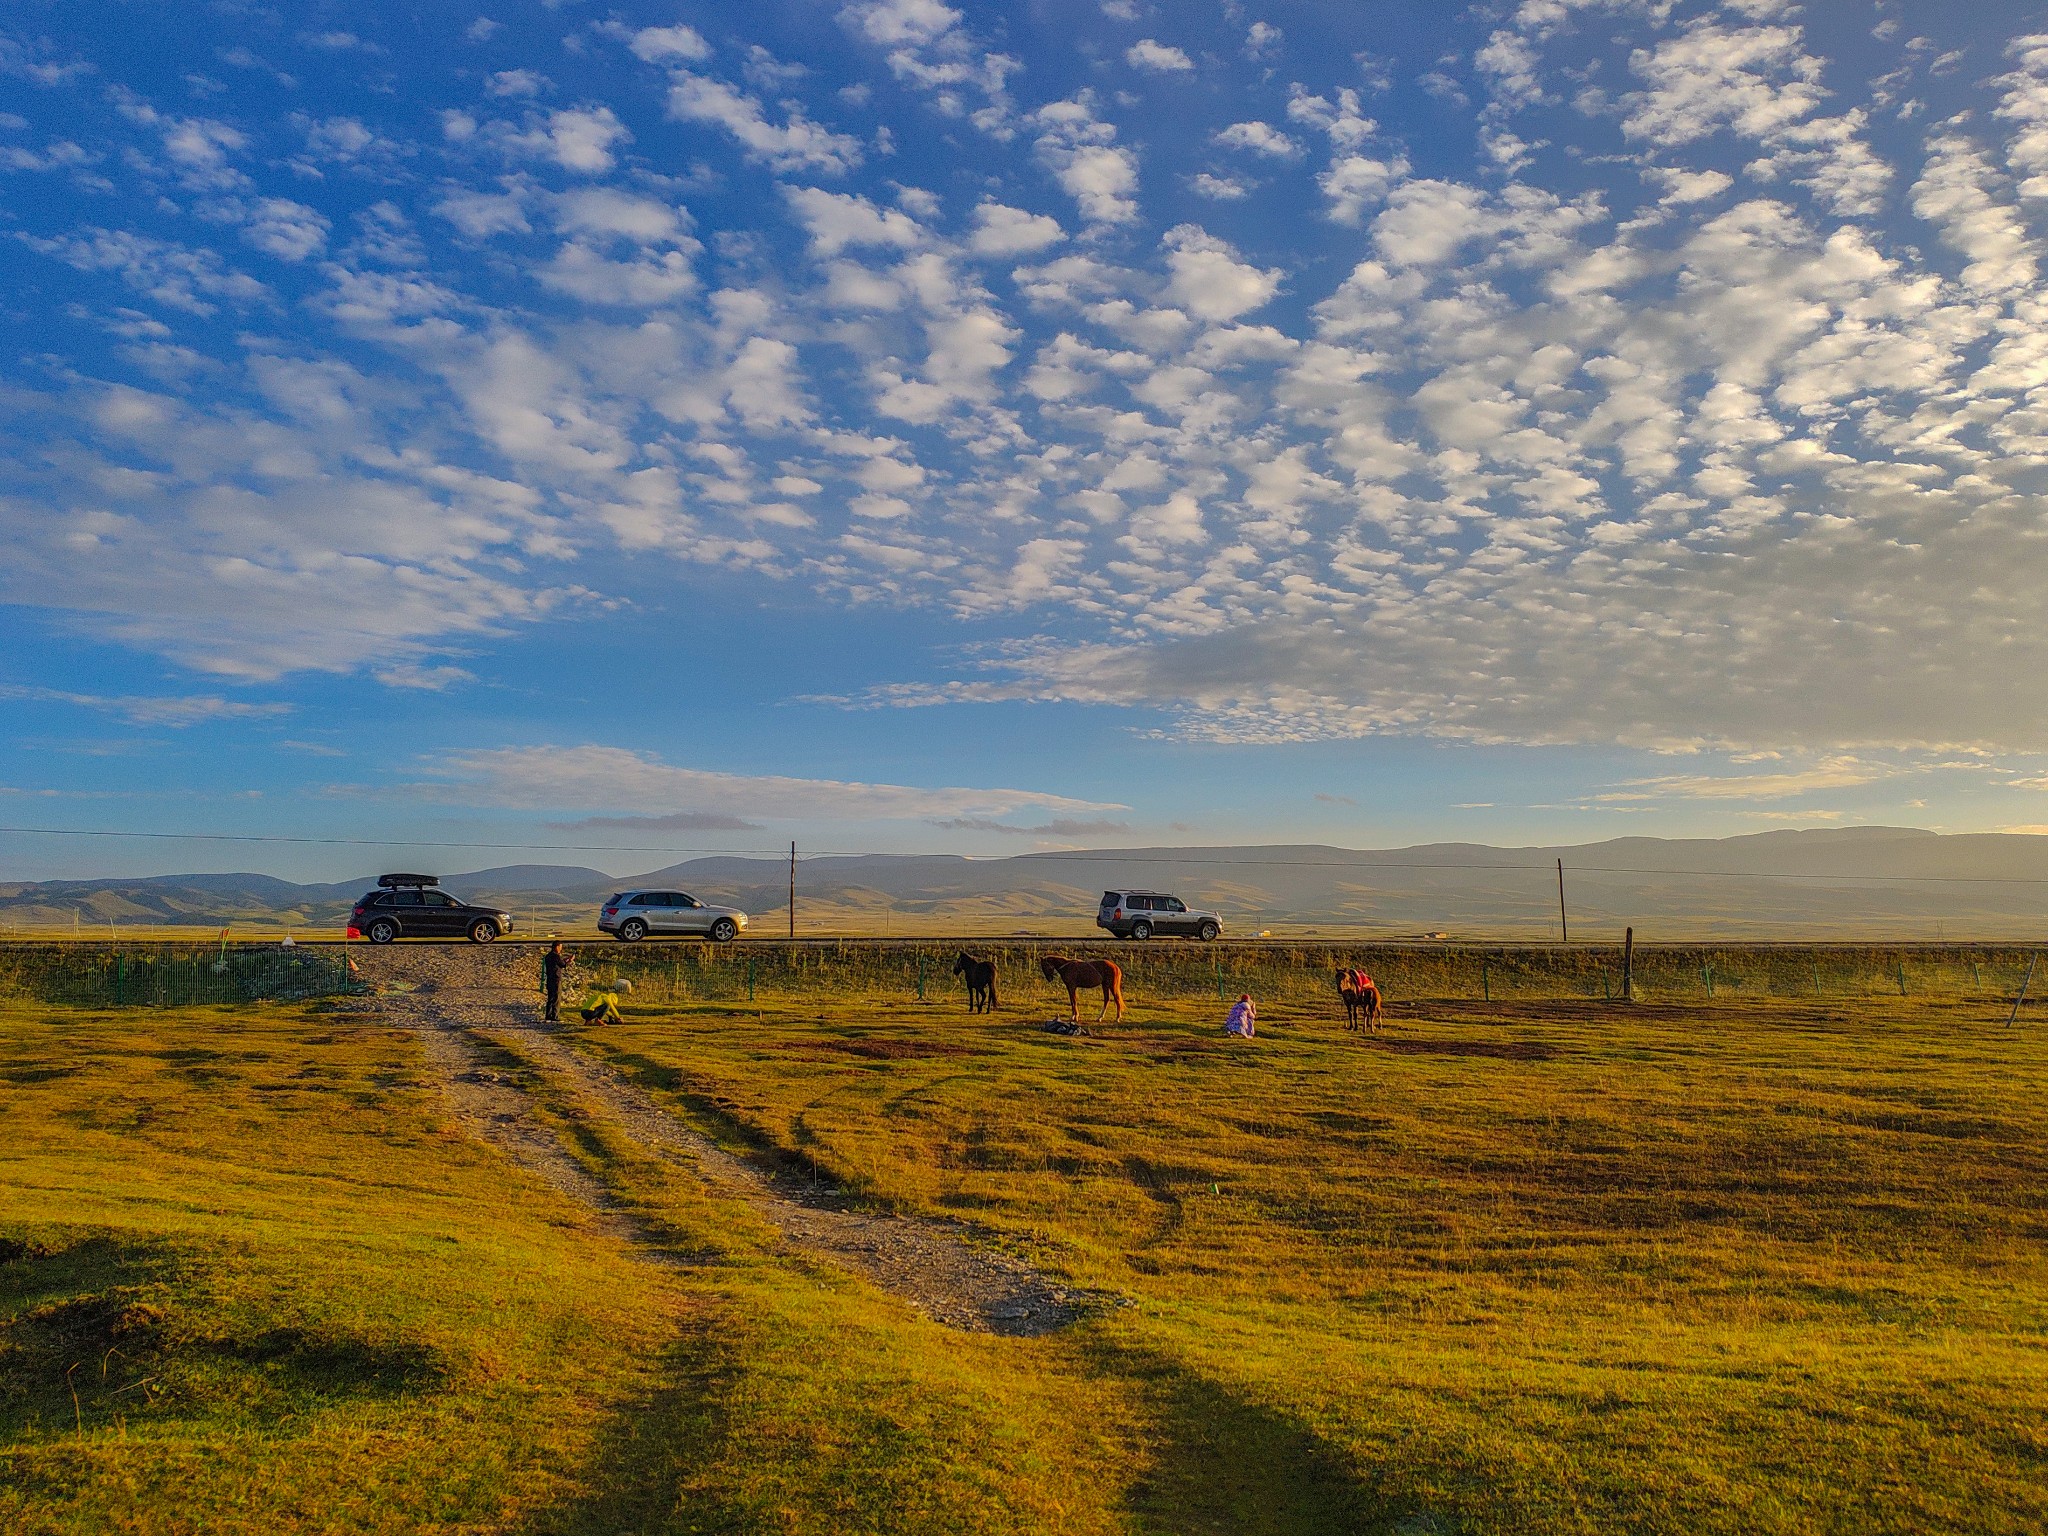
[
  {"x": 601, "y": 1008},
  {"x": 1244, "y": 1017}
]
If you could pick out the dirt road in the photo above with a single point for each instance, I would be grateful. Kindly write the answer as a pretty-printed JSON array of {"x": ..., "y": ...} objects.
[{"x": 459, "y": 1001}]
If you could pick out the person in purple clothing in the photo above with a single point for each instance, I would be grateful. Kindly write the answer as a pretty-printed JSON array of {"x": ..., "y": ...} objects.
[{"x": 1244, "y": 1017}]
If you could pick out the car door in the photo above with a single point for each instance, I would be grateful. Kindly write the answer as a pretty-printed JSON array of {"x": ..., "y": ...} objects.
[
  {"x": 692, "y": 916},
  {"x": 669, "y": 914},
  {"x": 1175, "y": 918},
  {"x": 443, "y": 914}
]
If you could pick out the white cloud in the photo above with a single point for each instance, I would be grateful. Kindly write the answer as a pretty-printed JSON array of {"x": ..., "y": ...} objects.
[
  {"x": 1209, "y": 281},
  {"x": 795, "y": 144},
  {"x": 656, "y": 44},
  {"x": 282, "y": 228},
  {"x": 576, "y": 138},
  {"x": 178, "y": 713},
  {"x": 605, "y": 778},
  {"x": 1157, "y": 58},
  {"x": 176, "y": 276},
  {"x": 517, "y": 82},
  {"x": 1221, "y": 189},
  {"x": 1000, "y": 230},
  {"x": 1260, "y": 138},
  {"x": 643, "y": 281},
  {"x": 837, "y": 220},
  {"x": 1955, "y": 194},
  {"x": 1100, "y": 175}
]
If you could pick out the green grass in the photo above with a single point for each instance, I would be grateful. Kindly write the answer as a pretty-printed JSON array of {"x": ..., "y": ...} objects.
[{"x": 1545, "y": 1266}]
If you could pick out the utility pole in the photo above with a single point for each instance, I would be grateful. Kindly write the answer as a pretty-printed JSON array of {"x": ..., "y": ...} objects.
[
  {"x": 792, "y": 890},
  {"x": 1563, "y": 926}
]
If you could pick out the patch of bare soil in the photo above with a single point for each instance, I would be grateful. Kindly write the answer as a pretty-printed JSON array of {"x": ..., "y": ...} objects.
[
  {"x": 1505, "y": 1050},
  {"x": 887, "y": 1050},
  {"x": 460, "y": 998}
]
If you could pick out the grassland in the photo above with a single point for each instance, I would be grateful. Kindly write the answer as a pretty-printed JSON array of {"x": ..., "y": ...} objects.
[{"x": 1534, "y": 1264}]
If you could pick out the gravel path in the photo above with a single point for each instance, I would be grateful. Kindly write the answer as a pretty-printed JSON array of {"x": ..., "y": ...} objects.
[{"x": 463, "y": 998}]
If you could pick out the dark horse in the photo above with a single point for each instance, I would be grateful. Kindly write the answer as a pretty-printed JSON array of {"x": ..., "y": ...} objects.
[
  {"x": 1362, "y": 999},
  {"x": 981, "y": 982},
  {"x": 1076, "y": 974}
]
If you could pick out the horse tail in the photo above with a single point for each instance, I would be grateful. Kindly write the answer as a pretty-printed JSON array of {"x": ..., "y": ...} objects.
[{"x": 1113, "y": 984}]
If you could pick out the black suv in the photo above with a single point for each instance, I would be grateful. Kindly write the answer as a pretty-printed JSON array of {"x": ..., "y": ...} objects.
[
  {"x": 1140, "y": 914},
  {"x": 410, "y": 907}
]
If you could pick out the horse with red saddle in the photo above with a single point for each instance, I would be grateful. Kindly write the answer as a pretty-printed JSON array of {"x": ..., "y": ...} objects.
[{"x": 1362, "y": 998}]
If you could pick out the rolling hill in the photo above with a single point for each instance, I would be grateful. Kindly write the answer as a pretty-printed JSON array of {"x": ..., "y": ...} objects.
[{"x": 1865, "y": 881}]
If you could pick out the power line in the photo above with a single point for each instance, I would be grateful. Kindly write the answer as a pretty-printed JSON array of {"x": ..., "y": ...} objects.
[
  {"x": 1103, "y": 857},
  {"x": 374, "y": 842}
]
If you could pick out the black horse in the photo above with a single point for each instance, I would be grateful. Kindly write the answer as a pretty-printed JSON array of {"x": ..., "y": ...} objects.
[{"x": 981, "y": 982}]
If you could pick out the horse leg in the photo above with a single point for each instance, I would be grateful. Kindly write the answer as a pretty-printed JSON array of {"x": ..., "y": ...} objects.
[{"x": 1074, "y": 1003}]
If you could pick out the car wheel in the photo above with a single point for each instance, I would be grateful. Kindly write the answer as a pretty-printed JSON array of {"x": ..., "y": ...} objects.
[
  {"x": 1209, "y": 932},
  {"x": 382, "y": 931},
  {"x": 632, "y": 930},
  {"x": 1141, "y": 930},
  {"x": 725, "y": 930},
  {"x": 482, "y": 931}
]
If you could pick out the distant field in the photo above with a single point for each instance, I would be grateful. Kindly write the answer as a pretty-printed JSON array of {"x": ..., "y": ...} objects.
[
  {"x": 171, "y": 972},
  {"x": 1541, "y": 1264}
]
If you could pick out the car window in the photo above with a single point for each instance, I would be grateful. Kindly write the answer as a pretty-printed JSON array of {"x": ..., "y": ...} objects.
[
  {"x": 614, "y": 899},
  {"x": 1175, "y": 904},
  {"x": 644, "y": 899},
  {"x": 382, "y": 899},
  {"x": 406, "y": 899},
  {"x": 683, "y": 899},
  {"x": 1138, "y": 903},
  {"x": 1110, "y": 898},
  {"x": 439, "y": 899}
]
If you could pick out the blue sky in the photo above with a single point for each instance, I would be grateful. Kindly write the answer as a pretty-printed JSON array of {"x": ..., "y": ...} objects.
[{"x": 894, "y": 426}]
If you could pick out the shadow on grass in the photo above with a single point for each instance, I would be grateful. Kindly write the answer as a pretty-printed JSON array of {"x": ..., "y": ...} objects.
[
  {"x": 697, "y": 1454},
  {"x": 96, "y": 1329},
  {"x": 1218, "y": 1461}
]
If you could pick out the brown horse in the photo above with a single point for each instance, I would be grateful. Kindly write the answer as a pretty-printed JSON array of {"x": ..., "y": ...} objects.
[
  {"x": 1362, "y": 999},
  {"x": 981, "y": 982},
  {"x": 1076, "y": 974}
]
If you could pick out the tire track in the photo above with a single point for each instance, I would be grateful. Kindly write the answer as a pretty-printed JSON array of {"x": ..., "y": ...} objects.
[{"x": 461, "y": 998}]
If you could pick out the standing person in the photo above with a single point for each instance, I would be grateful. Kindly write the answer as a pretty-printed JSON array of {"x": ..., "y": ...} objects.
[
  {"x": 1244, "y": 1017},
  {"x": 552, "y": 964}
]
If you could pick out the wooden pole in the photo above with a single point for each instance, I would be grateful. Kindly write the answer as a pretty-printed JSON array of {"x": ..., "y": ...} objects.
[
  {"x": 792, "y": 890},
  {"x": 2031, "y": 959},
  {"x": 1628, "y": 965},
  {"x": 1564, "y": 926}
]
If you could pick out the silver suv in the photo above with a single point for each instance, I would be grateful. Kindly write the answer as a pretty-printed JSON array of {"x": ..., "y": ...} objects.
[
  {"x": 632, "y": 915},
  {"x": 1140, "y": 914}
]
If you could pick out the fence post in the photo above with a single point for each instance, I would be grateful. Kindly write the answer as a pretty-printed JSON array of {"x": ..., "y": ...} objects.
[
  {"x": 920, "y": 975},
  {"x": 1485, "y": 982},
  {"x": 750, "y": 978},
  {"x": 1707, "y": 975},
  {"x": 2036, "y": 955},
  {"x": 1216, "y": 963},
  {"x": 1816, "y": 978},
  {"x": 1628, "y": 965},
  {"x": 1902, "y": 978},
  {"x": 120, "y": 973}
]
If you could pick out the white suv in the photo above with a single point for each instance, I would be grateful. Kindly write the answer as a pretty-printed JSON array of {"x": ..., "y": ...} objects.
[
  {"x": 1140, "y": 914},
  {"x": 632, "y": 915}
]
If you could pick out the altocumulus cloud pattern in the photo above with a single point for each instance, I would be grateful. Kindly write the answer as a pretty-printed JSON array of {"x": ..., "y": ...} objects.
[{"x": 1623, "y": 371}]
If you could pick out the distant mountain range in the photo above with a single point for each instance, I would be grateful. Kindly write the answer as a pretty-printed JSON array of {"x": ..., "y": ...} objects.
[{"x": 1864, "y": 881}]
